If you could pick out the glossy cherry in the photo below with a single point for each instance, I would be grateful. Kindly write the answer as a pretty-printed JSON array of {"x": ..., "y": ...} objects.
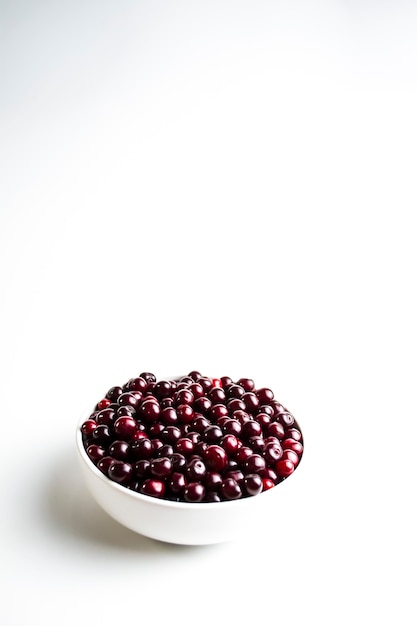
[
  {"x": 230, "y": 489},
  {"x": 215, "y": 458},
  {"x": 120, "y": 472},
  {"x": 120, "y": 450},
  {"x": 194, "y": 492},
  {"x": 153, "y": 487},
  {"x": 252, "y": 484},
  {"x": 125, "y": 427}
]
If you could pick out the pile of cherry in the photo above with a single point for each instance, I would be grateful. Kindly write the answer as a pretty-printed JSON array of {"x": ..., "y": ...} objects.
[{"x": 193, "y": 439}]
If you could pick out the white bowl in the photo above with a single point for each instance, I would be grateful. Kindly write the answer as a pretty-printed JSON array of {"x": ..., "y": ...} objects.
[{"x": 182, "y": 522}]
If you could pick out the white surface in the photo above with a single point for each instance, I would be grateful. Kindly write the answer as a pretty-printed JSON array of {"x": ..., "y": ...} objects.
[{"x": 226, "y": 186}]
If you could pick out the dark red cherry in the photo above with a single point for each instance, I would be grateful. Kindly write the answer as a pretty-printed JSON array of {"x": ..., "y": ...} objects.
[
  {"x": 284, "y": 468},
  {"x": 179, "y": 462},
  {"x": 165, "y": 450},
  {"x": 235, "y": 404},
  {"x": 272, "y": 452},
  {"x": 265, "y": 395},
  {"x": 197, "y": 390},
  {"x": 286, "y": 419},
  {"x": 106, "y": 416},
  {"x": 212, "y": 496},
  {"x": 252, "y": 484},
  {"x": 148, "y": 376},
  {"x": 213, "y": 481},
  {"x": 256, "y": 443},
  {"x": 194, "y": 492},
  {"x": 184, "y": 446},
  {"x": 251, "y": 402},
  {"x": 266, "y": 408},
  {"x": 278, "y": 407},
  {"x": 161, "y": 467},
  {"x": 241, "y": 416},
  {"x": 217, "y": 411},
  {"x": 275, "y": 429},
  {"x": 165, "y": 403},
  {"x": 137, "y": 384},
  {"x": 125, "y": 410},
  {"x": 251, "y": 428},
  {"x": 88, "y": 427},
  {"x": 162, "y": 389},
  {"x": 234, "y": 391},
  {"x": 125, "y": 427},
  {"x": 156, "y": 429},
  {"x": 212, "y": 434},
  {"x": 268, "y": 472},
  {"x": 171, "y": 434},
  {"x": 195, "y": 470},
  {"x": 149, "y": 411},
  {"x": 185, "y": 414},
  {"x": 267, "y": 483},
  {"x": 263, "y": 419},
  {"x": 205, "y": 382},
  {"x": 168, "y": 416},
  {"x": 113, "y": 393},
  {"x": 243, "y": 453},
  {"x": 247, "y": 384},
  {"x": 104, "y": 464},
  {"x": 232, "y": 427},
  {"x": 290, "y": 455},
  {"x": 120, "y": 472},
  {"x": 292, "y": 444},
  {"x": 237, "y": 475},
  {"x": 120, "y": 450},
  {"x": 294, "y": 433},
  {"x": 271, "y": 439},
  {"x": 142, "y": 449},
  {"x": 217, "y": 395},
  {"x": 254, "y": 464},
  {"x": 129, "y": 398},
  {"x": 200, "y": 423},
  {"x": 195, "y": 375},
  {"x": 177, "y": 483},
  {"x": 103, "y": 403},
  {"x": 95, "y": 452},
  {"x": 156, "y": 445},
  {"x": 195, "y": 437},
  {"x": 230, "y": 489},
  {"x": 229, "y": 443},
  {"x": 187, "y": 380},
  {"x": 202, "y": 405},
  {"x": 141, "y": 469},
  {"x": 149, "y": 389},
  {"x": 215, "y": 458},
  {"x": 153, "y": 487},
  {"x": 183, "y": 396}
]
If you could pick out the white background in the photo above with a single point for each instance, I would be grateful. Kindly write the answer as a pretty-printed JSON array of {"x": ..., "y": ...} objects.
[{"x": 225, "y": 186}]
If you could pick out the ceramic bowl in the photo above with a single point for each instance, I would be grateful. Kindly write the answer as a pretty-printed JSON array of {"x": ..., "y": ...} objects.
[{"x": 182, "y": 522}]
